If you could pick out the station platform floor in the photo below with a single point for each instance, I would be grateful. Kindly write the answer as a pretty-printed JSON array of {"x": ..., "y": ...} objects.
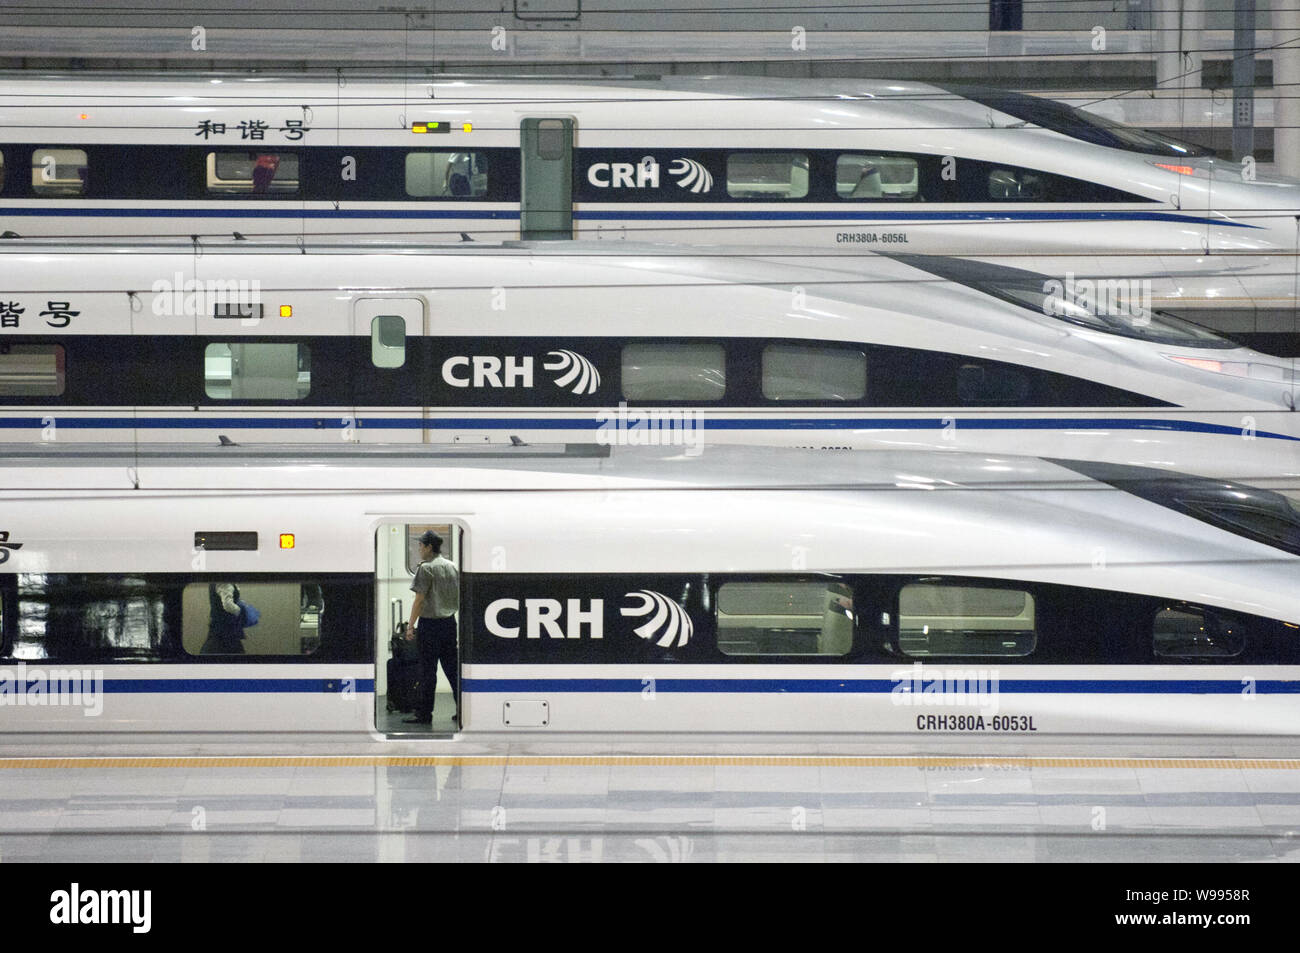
[{"x": 658, "y": 800}]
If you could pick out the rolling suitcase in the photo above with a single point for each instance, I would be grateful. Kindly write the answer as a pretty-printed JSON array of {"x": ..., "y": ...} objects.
[{"x": 404, "y": 675}]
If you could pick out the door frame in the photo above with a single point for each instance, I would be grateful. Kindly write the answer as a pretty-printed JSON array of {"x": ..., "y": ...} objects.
[
  {"x": 570, "y": 157},
  {"x": 383, "y": 609}
]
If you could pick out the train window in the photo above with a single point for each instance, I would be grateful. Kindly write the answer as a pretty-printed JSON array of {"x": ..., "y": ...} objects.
[
  {"x": 813, "y": 372},
  {"x": 799, "y": 617},
  {"x": 1193, "y": 632},
  {"x": 552, "y": 138},
  {"x": 1265, "y": 516},
  {"x": 943, "y": 619},
  {"x": 413, "y": 533},
  {"x": 1270, "y": 518},
  {"x": 767, "y": 175},
  {"x": 445, "y": 175},
  {"x": 31, "y": 370},
  {"x": 1008, "y": 184},
  {"x": 285, "y": 617},
  {"x": 252, "y": 173},
  {"x": 674, "y": 370},
  {"x": 1017, "y": 185},
  {"x": 884, "y": 178},
  {"x": 388, "y": 340},
  {"x": 82, "y": 616},
  {"x": 1110, "y": 305},
  {"x": 991, "y": 384},
  {"x": 59, "y": 173},
  {"x": 1078, "y": 123},
  {"x": 257, "y": 371}
]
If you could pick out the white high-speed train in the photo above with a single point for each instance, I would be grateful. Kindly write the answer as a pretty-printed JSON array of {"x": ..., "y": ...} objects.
[
  {"x": 849, "y": 164},
  {"x": 636, "y": 590},
  {"x": 560, "y": 341}
]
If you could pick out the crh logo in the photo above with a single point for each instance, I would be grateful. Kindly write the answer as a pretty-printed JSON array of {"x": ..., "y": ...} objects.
[
  {"x": 6, "y": 546},
  {"x": 670, "y": 623},
  {"x": 624, "y": 175},
  {"x": 484, "y": 370},
  {"x": 689, "y": 175},
  {"x": 693, "y": 175},
  {"x": 545, "y": 615},
  {"x": 572, "y": 371}
]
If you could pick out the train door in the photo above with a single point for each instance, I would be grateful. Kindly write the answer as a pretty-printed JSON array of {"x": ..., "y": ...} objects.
[
  {"x": 388, "y": 395},
  {"x": 399, "y": 677},
  {"x": 546, "y": 189}
]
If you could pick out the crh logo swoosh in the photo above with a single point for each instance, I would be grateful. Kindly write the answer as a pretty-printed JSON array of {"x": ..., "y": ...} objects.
[
  {"x": 670, "y": 623},
  {"x": 6, "y": 546},
  {"x": 693, "y": 175},
  {"x": 573, "y": 369}
]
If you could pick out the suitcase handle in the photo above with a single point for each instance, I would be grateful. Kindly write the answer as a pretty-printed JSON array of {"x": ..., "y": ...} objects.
[{"x": 395, "y": 619}]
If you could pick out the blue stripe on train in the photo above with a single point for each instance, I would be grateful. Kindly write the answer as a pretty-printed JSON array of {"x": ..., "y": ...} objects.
[
  {"x": 831, "y": 686},
  {"x": 831, "y": 216},
  {"x": 201, "y": 422},
  {"x": 92, "y": 212},
  {"x": 697, "y": 215},
  {"x": 695, "y": 686},
  {"x": 171, "y": 686}
]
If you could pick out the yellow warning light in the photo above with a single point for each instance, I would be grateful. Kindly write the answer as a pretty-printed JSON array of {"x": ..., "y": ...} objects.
[
  {"x": 467, "y": 127},
  {"x": 286, "y": 540},
  {"x": 419, "y": 127},
  {"x": 84, "y": 116},
  {"x": 286, "y": 311}
]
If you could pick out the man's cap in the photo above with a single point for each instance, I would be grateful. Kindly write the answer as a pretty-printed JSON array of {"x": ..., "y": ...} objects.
[{"x": 430, "y": 538}]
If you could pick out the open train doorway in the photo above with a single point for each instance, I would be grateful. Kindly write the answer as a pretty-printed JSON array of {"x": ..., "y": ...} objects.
[{"x": 415, "y": 676}]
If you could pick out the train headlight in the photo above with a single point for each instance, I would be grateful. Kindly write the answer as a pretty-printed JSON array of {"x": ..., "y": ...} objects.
[
  {"x": 286, "y": 540},
  {"x": 1234, "y": 368},
  {"x": 1255, "y": 370}
]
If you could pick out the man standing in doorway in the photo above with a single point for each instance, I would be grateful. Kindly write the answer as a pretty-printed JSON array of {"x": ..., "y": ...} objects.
[{"x": 433, "y": 621}]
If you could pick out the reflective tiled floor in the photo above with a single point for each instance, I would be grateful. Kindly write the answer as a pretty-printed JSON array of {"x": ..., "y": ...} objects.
[
  {"x": 416, "y": 846},
  {"x": 647, "y": 802}
]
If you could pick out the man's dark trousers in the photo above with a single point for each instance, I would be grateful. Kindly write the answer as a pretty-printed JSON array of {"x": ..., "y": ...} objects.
[{"x": 436, "y": 639}]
